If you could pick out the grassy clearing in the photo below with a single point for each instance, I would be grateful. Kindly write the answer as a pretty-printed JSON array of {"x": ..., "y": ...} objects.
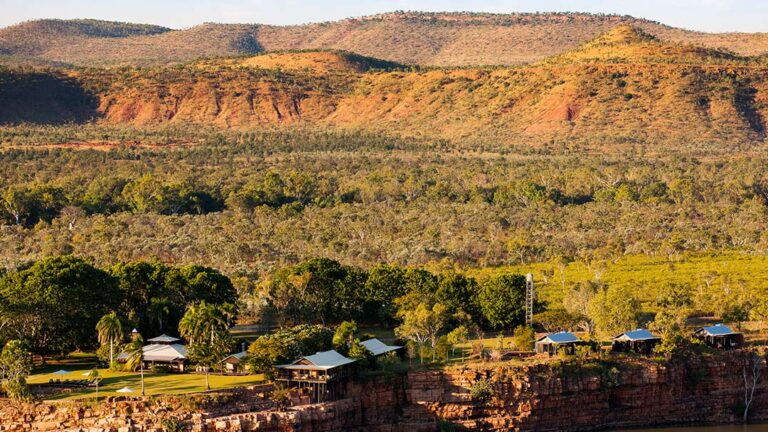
[
  {"x": 155, "y": 384},
  {"x": 715, "y": 273}
]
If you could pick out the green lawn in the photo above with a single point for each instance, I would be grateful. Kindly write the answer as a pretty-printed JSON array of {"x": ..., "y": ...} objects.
[{"x": 155, "y": 384}]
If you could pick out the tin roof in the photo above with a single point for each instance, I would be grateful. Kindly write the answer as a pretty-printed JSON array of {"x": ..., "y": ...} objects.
[
  {"x": 717, "y": 330},
  {"x": 560, "y": 338},
  {"x": 163, "y": 338},
  {"x": 163, "y": 353},
  {"x": 377, "y": 347},
  {"x": 238, "y": 356},
  {"x": 320, "y": 361},
  {"x": 636, "y": 335}
]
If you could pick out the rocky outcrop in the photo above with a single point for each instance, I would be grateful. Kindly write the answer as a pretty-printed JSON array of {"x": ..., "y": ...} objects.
[{"x": 550, "y": 396}]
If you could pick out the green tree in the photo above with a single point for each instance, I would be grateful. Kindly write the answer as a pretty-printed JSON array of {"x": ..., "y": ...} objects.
[
  {"x": 384, "y": 284},
  {"x": 458, "y": 336},
  {"x": 286, "y": 345},
  {"x": 614, "y": 310},
  {"x": 345, "y": 337},
  {"x": 15, "y": 367},
  {"x": 360, "y": 353},
  {"x": 422, "y": 324},
  {"x": 206, "y": 329},
  {"x": 19, "y": 203},
  {"x": 459, "y": 294},
  {"x": 576, "y": 302},
  {"x": 55, "y": 304},
  {"x": 313, "y": 291},
  {"x": 143, "y": 284},
  {"x": 502, "y": 300},
  {"x": 673, "y": 305},
  {"x": 110, "y": 330}
]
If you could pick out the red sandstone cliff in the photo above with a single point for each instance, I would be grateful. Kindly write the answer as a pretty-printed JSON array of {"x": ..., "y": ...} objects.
[{"x": 545, "y": 397}]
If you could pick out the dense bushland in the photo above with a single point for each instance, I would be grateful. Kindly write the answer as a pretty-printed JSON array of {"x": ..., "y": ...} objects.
[
  {"x": 251, "y": 204},
  {"x": 53, "y": 305}
]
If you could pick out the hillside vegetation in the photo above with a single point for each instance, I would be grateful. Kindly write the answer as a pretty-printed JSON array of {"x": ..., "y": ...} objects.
[
  {"x": 439, "y": 39},
  {"x": 625, "y": 90}
]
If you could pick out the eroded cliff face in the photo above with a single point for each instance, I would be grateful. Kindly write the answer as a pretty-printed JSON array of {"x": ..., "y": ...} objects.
[
  {"x": 543, "y": 397},
  {"x": 591, "y": 397}
]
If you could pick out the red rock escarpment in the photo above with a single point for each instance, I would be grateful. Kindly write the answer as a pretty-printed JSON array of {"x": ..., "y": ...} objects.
[{"x": 544, "y": 397}]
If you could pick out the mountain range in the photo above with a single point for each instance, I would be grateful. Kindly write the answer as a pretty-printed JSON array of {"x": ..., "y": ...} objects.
[
  {"x": 625, "y": 88},
  {"x": 437, "y": 39}
]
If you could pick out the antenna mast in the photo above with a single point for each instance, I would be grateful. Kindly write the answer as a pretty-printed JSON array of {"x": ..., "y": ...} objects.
[{"x": 530, "y": 295}]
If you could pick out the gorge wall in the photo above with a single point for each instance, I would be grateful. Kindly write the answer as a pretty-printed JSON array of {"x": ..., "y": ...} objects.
[{"x": 545, "y": 397}]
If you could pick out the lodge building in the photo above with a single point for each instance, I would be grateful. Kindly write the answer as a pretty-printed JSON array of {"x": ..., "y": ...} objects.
[{"x": 323, "y": 376}]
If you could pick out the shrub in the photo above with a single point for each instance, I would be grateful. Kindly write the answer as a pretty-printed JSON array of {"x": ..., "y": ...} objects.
[
  {"x": 482, "y": 390},
  {"x": 171, "y": 425},
  {"x": 17, "y": 390},
  {"x": 524, "y": 338}
]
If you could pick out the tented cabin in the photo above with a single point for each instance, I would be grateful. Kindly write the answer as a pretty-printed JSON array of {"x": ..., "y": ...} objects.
[
  {"x": 563, "y": 342},
  {"x": 163, "y": 350},
  {"x": 639, "y": 341},
  {"x": 323, "y": 375},
  {"x": 720, "y": 336},
  {"x": 379, "y": 348}
]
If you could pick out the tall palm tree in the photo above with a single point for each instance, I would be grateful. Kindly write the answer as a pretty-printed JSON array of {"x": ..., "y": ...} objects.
[
  {"x": 205, "y": 328},
  {"x": 110, "y": 330},
  {"x": 203, "y": 321},
  {"x": 135, "y": 351}
]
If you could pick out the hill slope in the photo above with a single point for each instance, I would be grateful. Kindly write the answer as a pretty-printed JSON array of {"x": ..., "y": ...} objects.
[
  {"x": 639, "y": 92},
  {"x": 441, "y": 39}
]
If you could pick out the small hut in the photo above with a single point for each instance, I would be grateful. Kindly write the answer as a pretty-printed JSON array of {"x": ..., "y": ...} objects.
[
  {"x": 565, "y": 342},
  {"x": 323, "y": 375},
  {"x": 720, "y": 336},
  {"x": 639, "y": 341},
  {"x": 232, "y": 363}
]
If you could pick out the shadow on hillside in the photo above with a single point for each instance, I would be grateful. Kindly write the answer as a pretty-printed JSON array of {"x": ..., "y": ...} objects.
[{"x": 44, "y": 98}]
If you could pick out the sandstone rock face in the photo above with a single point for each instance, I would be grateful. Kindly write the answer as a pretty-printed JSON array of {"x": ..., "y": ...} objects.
[{"x": 543, "y": 397}]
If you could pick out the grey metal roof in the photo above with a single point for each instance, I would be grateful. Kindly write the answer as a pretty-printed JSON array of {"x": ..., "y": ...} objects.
[
  {"x": 163, "y": 338},
  {"x": 238, "y": 356},
  {"x": 321, "y": 361},
  {"x": 165, "y": 353},
  {"x": 636, "y": 335},
  {"x": 717, "y": 330},
  {"x": 162, "y": 353},
  {"x": 377, "y": 347},
  {"x": 560, "y": 338}
]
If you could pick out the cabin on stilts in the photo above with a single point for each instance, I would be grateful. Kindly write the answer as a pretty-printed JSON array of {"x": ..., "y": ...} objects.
[
  {"x": 720, "y": 336},
  {"x": 322, "y": 376},
  {"x": 640, "y": 341}
]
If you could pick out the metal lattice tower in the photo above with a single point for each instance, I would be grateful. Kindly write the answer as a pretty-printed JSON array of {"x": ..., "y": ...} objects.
[{"x": 530, "y": 296}]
